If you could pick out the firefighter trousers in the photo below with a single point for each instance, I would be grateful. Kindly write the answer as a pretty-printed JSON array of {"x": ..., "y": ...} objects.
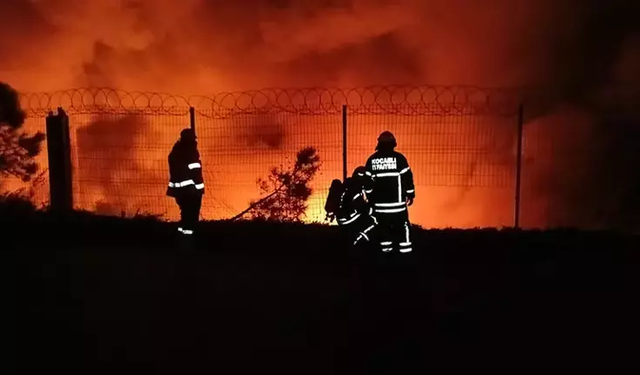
[
  {"x": 361, "y": 230},
  {"x": 189, "y": 212},
  {"x": 394, "y": 232}
]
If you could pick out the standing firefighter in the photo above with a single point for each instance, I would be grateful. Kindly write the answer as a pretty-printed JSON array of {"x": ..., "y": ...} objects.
[
  {"x": 186, "y": 184},
  {"x": 346, "y": 202},
  {"x": 390, "y": 189}
]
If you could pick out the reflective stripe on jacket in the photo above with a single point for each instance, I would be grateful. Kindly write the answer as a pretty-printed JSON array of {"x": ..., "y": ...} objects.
[
  {"x": 389, "y": 181},
  {"x": 185, "y": 170}
]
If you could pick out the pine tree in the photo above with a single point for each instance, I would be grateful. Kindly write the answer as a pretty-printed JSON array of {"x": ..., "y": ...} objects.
[
  {"x": 286, "y": 191},
  {"x": 17, "y": 150}
]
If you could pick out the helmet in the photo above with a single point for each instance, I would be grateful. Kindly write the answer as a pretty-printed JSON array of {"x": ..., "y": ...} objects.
[
  {"x": 386, "y": 136},
  {"x": 386, "y": 140},
  {"x": 359, "y": 172},
  {"x": 188, "y": 135}
]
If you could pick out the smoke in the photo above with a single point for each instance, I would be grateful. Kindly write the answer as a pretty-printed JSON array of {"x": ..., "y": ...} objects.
[
  {"x": 113, "y": 179},
  {"x": 575, "y": 49},
  {"x": 264, "y": 131},
  {"x": 204, "y": 46},
  {"x": 11, "y": 114}
]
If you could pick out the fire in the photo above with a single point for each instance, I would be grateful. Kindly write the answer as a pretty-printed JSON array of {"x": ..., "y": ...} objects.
[
  {"x": 463, "y": 162},
  {"x": 198, "y": 46}
]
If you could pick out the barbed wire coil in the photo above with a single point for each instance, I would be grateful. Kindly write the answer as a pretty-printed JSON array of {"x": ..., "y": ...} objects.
[{"x": 399, "y": 100}]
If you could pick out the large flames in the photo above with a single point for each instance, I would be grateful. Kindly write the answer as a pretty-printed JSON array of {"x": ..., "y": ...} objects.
[
  {"x": 461, "y": 149},
  {"x": 199, "y": 46}
]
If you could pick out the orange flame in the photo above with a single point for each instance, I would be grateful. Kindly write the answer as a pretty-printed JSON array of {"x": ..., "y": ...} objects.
[{"x": 199, "y": 46}]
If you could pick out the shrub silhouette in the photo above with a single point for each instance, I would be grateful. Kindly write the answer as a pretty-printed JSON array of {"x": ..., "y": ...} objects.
[
  {"x": 17, "y": 150},
  {"x": 285, "y": 191}
]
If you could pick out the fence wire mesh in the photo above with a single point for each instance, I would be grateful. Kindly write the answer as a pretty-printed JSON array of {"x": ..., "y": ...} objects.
[
  {"x": 237, "y": 148},
  {"x": 463, "y": 165},
  {"x": 459, "y": 141},
  {"x": 120, "y": 161}
]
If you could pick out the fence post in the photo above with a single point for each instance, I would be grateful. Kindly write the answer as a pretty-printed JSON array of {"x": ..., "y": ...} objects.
[
  {"x": 192, "y": 119},
  {"x": 518, "y": 188},
  {"x": 344, "y": 142},
  {"x": 59, "y": 154}
]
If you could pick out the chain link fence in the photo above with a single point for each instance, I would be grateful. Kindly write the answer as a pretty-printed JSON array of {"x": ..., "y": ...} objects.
[{"x": 461, "y": 143}]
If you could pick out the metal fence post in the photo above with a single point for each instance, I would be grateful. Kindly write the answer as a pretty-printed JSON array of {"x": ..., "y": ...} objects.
[
  {"x": 60, "y": 169},
  {"x": 518, "y": 186},
  {"x": 192, "y": 119},
  {"x": 344, "y": 142}
]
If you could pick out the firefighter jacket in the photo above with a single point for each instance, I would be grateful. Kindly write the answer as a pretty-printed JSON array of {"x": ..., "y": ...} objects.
[
  {"x": 389, "y": 182},
  {"x": 185, "y": 170},
  {"x": 352, "y": 203}
]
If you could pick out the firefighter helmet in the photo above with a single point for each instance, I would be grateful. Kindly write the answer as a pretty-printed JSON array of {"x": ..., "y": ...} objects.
[
  {"x": 386, "y": 139},
  {"x": 188, "y": 134},
  {"x": 359, "y": 172}
]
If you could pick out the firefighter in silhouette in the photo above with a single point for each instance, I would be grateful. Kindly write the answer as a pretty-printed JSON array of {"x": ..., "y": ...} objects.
[
  {"x": 186, "y": 183},
  {"x": 347, "y": 203},
  {"x": 390, "y": 190}
]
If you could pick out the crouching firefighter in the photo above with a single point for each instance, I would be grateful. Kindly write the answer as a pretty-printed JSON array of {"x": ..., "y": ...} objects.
[
  {"x": 186, "y": 183},
  {"x": 346, "y": 203},
  {"x": 390, "y": 190}
]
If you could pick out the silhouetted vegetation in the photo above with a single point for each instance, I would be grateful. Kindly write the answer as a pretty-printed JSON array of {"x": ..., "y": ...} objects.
[
  {"x": 17, "y": 150},
  {"x": 286, "y": 190},
  {"x": 27, "y": 193},
  {"x": 254, "y": 296},
  {"x": 104, "y": 207},
  {"x": 15, "y": 202}
]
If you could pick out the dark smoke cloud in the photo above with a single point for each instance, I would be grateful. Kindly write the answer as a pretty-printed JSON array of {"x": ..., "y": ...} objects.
[
  {"x": 107, "y": 164},
  {"x": 10, "y": 112},
  {"x": 204, "y": 46},
  {"x": 253, "y": 133},
  {"x": 584, "y": 172}
]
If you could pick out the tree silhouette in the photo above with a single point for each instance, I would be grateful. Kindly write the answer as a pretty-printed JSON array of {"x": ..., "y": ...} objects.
[
  {"x": 17, "y": 150},
  {"x": 285, "y": 191}
]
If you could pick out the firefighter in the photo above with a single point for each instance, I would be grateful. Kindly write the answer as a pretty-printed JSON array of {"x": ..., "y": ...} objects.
[
  {"x": 368, "y": 221},
  {"x": 186, "y": 183},
  {"x": 389, "y": 188},
  {"x": 347, "y": 203}
]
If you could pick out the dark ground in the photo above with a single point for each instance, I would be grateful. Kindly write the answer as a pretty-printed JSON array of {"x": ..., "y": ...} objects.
[{"x": 112, "y": 296}]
